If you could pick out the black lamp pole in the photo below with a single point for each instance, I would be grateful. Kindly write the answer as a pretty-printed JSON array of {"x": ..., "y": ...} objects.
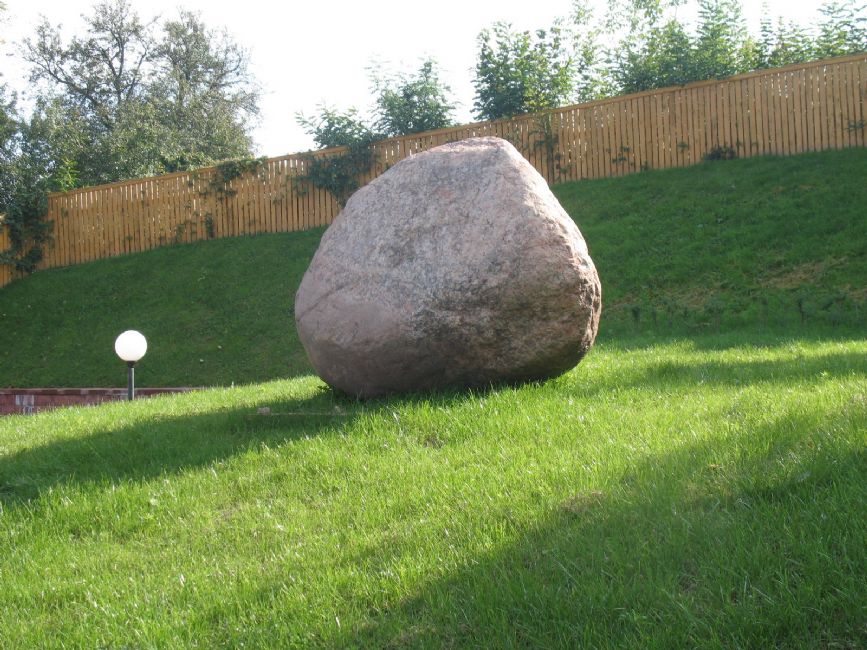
[{"x": 130, "y": 380}]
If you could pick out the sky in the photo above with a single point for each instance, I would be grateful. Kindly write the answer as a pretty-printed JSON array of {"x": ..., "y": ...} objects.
[{"x": 307, "y": 53}]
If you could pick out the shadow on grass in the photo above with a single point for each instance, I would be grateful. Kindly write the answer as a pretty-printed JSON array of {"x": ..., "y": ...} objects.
[
  {"x": 700, "y": 547},
  {"x": 696, "y": 548},
  {"x": 158, "y": 445},
  {"x": 151, "y": 447}
]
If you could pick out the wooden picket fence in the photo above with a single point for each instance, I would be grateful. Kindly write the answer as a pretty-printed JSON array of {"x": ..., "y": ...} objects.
[
  {"x": 5, "y": 270},
  {"x": 805, "y": 107}
]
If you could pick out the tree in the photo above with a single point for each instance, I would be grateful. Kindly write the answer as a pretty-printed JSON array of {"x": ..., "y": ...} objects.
[
  {"x": 203, "y": 94},
  {"x": 338, "y": 173},
  {"x": 28, "y": 169},
  {"x": 721, "y": 41},
  {"x": 124, "y": 99},
  {"x": 334, "y": 128},
  {"x": 636, "y": 18},
  {"x": 664, "y": 58},
  {"x": 99, "y": 74},
  {"x": 519, "y": 72},
  {"x": 412, "y": 103},
  {"x": 8, "y": 144},
  {"x": 586, "y": 30},
  {"x": 148, "y": 102},
  {"x": 786, "y": 44},
  {"x": 658, "y": 51},
  {"x": 842, "y": 30},
  {"x": 3, "y": 9}
]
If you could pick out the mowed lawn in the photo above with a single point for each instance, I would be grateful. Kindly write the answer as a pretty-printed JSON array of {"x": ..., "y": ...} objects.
[{"x": 703, "y": 492}]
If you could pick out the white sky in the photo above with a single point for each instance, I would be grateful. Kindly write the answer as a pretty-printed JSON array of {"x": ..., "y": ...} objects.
[{"x": 314, "y": 51}]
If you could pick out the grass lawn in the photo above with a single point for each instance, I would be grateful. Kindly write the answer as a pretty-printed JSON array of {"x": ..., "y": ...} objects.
[
  {"x": 697, "y": 481},
  {"x": 689, "y": 493},
  {"x": 770, "y": 242}
]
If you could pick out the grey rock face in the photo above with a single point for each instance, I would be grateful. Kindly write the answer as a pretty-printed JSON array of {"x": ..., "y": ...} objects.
[{"x": 456, "y": 267}]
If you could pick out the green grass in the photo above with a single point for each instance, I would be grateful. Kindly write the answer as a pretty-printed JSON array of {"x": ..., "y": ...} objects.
[
  {"x": 765, "y": 243},
  {"x": 768, "y": 242},
  {"x": 684, "y": 494},
  {"x": 697, "y": 481},
  {"x": 214, "y": 313}
]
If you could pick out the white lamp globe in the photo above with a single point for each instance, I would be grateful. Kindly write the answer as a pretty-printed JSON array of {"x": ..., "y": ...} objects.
[{"x": 131, "y": 346}]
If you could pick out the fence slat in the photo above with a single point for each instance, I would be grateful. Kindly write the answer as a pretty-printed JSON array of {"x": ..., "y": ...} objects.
[
  {"x": 859, "y": 92},
  {"x": 5, "y": 269}
]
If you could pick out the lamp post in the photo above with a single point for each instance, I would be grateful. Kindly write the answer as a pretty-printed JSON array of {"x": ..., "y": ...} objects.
[{"x": 130, "y": 347}]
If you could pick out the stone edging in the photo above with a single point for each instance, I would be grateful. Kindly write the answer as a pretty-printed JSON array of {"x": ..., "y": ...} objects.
[{"x": 33, "y": 400}]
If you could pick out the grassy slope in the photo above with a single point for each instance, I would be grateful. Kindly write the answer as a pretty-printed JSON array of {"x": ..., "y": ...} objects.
[
  {"x": 213, "y": 313},
  {"x": 732, "y": 244}
]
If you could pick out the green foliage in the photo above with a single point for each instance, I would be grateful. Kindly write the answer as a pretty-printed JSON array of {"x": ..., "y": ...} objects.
[
  {"x": 25, "y": 206},
  {"x": 228, "y": 170},
  {"x": 658, "y": 49},
  {"x": 338, "y": 173},
  {"x": 209, "y": 226},
  {"x": 334, "y": 128},
  {"x": 405, "y": 104},
  {"x": 119, "y": 102},
  {"x": 9, "y": 130},
  {"x": 664, "y": 59},
  {"x": 27, "y": 172},
  {"x": 412, "y": 103},
  {"x": 8, "y": 124},
  {"x": 720, "y": 41},
  {"x": 660, "y": 52},
  {"x": 28, "y": 230},
  {"x": 587, "y": 38},
  {"x": 786, "y": 44},
  {"x": 126, "y": 101},
  {"x": 546, "y": 137},
  {"x": 842, "y": 30},
  {"x": 204, "y": 96},
  {"x": 520, "y": 72},
  {"x": 720, "y": 152}
]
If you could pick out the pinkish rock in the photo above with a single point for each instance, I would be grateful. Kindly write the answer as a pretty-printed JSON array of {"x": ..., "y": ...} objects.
[{"x": 456, "y": 267}]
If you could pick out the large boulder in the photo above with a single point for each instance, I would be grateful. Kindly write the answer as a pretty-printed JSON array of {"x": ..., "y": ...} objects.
[{"x": 456, "y": 267}]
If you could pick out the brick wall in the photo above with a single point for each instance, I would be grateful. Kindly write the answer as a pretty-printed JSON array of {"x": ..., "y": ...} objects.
[{"x": 33, "y": 400}]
